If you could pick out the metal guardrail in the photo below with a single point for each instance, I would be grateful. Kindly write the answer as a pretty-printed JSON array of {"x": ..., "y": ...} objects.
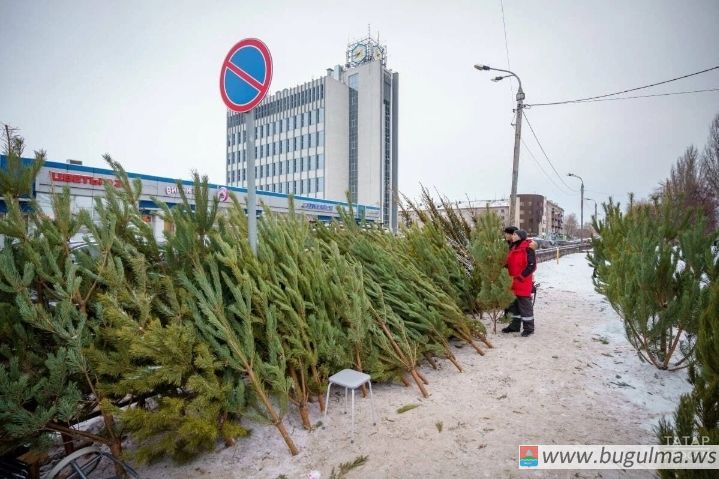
[{"x": 546, "y": 254}]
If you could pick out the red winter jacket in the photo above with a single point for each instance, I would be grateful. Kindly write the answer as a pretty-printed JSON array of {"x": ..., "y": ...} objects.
[{"x": 521, "y": 264}]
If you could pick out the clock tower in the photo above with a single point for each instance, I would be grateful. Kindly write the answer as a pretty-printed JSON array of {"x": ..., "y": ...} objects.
[{"x": 365, "y": 51}]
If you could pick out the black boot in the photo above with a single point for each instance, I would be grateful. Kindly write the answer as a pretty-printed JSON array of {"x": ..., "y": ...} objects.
[
  {"x": 528, "y": 327},
  {"x": 513, "y": 327}
]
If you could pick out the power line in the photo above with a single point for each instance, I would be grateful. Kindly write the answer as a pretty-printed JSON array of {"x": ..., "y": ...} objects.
[
  {"x": 580, "y": 100},
  {"x": 643, "y": 96},
  {"x": 545, "y": 153},
  {"x": 506, "y": 49},
  {"x": 559, "y": 188}
]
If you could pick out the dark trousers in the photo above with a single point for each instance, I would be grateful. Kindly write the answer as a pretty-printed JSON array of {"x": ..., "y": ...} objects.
[{"x": 522, "y": 313}]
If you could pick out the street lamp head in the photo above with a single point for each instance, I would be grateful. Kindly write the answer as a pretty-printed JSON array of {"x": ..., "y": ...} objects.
[
  {"x": 498, "y": 78},
  {"x": 481, "y": 67},
  {"x": 571, "y": 174}
]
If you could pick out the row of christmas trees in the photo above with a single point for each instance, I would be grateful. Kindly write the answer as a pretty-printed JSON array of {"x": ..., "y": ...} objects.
[{"x": 175, "y": 342}]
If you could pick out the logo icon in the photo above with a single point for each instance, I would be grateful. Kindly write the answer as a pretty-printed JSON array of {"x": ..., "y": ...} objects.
[
  {"x": 222, "y": 194},
  {"x": 528, "y": 456}
]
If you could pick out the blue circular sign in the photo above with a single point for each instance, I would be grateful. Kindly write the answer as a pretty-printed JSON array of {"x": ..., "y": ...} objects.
[{"x": 246, "y": 75}]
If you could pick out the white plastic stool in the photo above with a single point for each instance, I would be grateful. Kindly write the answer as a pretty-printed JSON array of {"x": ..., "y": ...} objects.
[{"x": 350, "y": 379}]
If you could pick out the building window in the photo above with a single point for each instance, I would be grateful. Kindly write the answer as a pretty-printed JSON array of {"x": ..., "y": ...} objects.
[
  {"x": 353, "y": 107},
  {"x": 309, "y": 118},
  {"x": 320, "y": 161},
  {"x": 274, "y": 169},
  {"x": 387, "y": 165}
]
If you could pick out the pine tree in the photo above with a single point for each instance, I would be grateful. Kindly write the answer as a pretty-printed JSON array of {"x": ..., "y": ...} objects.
[
  {"x": 650, "y": 268},
  {"x": 53, "y": 305},
  {"x": 16, "y": 174},
  {"x": 490, "y": 253},
  {"x": 697, "y": 415}
]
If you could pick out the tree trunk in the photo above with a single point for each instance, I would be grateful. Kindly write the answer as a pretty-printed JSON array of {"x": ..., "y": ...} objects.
[
  {"x": 305, "y": 416},
  {"x": 419, "y": 383},
  {"x": 451, "y": 357},
  {"x": 115, "y": 442},
  {"x": 431, "y": 361},
  {"x": 276, "y": 419}
]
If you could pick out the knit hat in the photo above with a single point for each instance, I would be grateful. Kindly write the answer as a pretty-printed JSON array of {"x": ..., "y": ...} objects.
[
  {"x": 510, "y": 229},
  {"x": 522, "y": 234}
]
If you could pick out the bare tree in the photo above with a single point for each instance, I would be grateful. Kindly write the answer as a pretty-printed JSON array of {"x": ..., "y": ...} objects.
[
  {"x": 687, "y": 186},
  {"x": 710, "y": 163},
  {"x": 571, "y": 225}
]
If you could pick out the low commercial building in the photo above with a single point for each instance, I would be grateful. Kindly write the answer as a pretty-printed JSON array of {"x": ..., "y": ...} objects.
[{"x": 87, "y": 183}]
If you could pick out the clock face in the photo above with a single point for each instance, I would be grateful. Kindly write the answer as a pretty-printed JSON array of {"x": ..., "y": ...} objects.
[
  {"x": 377, "y": 54},
  {"x": 358, "y": 53}
]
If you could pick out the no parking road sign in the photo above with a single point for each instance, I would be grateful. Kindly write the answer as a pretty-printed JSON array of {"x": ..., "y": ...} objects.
[{"x": 246, "y": 75}]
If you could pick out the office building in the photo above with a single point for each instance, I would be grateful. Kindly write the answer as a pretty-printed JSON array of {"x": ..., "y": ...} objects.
[{"x": 329, "y": 137}]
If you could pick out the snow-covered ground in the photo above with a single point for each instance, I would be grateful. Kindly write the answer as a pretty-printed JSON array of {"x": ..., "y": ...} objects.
[{"x": 576, "y": 381}]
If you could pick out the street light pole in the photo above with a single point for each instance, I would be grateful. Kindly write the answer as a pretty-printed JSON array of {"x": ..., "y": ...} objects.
[
  {"x": 581, "y": 206},
  {"x": 595, "y": 206},
  {"x": 517, "y": 135}
]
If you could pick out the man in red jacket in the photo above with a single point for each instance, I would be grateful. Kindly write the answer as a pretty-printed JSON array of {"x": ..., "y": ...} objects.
[{"x": 521, "y": 264}]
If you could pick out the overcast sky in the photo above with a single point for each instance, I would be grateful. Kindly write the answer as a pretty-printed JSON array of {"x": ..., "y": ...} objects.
[{"x": 139, "y": 80}]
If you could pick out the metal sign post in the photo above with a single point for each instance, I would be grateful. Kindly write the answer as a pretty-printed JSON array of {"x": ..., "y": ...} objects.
[
  {"x": 251, "y": 190},
  {"x": 245, "y": 79}
]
